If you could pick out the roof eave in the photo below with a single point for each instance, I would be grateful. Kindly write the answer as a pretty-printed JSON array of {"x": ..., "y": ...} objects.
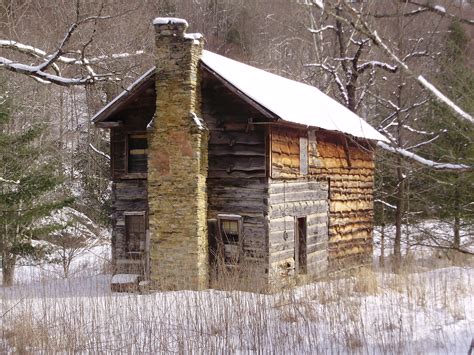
[{"x": 123, "y": 98}]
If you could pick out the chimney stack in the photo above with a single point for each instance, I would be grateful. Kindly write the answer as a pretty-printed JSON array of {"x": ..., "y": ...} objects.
[{"x": 177, "y": 163}]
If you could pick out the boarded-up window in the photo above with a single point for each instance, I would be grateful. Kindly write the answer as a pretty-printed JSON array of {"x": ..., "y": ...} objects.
[
  {"x": 135, "y": 232},
  {"x": 137, "y": 153},
  {"x": 303, "y": 156},
  {"x": 230, "y": 238}
]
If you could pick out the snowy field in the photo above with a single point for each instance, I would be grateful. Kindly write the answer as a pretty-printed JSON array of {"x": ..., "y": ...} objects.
[{"x": 426, "y": 311}]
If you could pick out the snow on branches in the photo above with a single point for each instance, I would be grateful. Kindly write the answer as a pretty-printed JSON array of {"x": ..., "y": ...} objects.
[
  {"x": 423, "y": 161},
  {"x": 47, "y": 70}
]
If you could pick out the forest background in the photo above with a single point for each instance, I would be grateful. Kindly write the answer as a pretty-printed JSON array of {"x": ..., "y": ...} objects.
[{"x": 64, "y": 60}]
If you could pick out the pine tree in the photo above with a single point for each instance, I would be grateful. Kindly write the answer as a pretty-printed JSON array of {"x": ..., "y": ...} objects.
[
  {"x": 28, "y": 190},
  {"x": 453, "y": 193}
]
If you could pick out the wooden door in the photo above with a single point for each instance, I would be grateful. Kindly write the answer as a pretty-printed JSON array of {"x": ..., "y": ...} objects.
[{"x": 301, "y": 253}]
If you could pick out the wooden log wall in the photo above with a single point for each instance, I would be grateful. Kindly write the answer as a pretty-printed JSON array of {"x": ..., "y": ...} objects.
[
  {"x": 348, "y": 168},
  {"x": 129, "y": 193},
  {"x": 288, "y": 200},
  {"x": 127, "y": 196},
  {"x": 237, "y": 182}
]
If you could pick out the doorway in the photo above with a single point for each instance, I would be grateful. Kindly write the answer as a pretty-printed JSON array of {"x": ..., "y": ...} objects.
[{"x": 301, "y": 255}]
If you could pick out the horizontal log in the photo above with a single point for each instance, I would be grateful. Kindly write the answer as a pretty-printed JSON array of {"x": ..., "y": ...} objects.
[
  {"x": 130, "y": 205},
  {"x": 233, "y": 138},
  {"x": 247, "y": 174},
  {"x": 108, "y": 124},
  {"x": 277, "y": 187},
  {"x": 236, "y": 151},
  {"x": 298, "y": 209},
  {"x": 316, "y": 196}
]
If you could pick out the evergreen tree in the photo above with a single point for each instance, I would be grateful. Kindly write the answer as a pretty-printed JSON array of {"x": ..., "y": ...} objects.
[
  {"x": 453, "y": 194},
  {"x": 28, "y": 190}
]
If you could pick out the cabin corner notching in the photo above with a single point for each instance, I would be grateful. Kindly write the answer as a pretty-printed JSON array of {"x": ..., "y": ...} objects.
[{"x": 218, "y": 170}]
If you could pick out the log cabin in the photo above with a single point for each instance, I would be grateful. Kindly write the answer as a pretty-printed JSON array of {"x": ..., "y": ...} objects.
[{"x": 215, "y": 162}]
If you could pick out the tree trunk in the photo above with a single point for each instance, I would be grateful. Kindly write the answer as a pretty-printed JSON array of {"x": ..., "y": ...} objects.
[
  {"x": 8, "y": 269},
  {"x": 382, "y": 240},
  {"x": 397, "y": 250},
  {"x": 457, "y": 217}
]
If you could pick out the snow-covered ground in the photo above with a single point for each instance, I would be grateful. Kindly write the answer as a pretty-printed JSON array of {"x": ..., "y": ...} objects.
[
  {"x": 429, "y": 312},
  {"x": 425, "y": 243}
]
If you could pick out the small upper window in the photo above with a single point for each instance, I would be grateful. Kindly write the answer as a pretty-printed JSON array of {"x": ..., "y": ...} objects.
[{"x": 137, "y": 153}]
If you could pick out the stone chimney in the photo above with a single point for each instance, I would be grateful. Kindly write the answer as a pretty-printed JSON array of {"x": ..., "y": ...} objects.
[{"x": 177, "y": 163}]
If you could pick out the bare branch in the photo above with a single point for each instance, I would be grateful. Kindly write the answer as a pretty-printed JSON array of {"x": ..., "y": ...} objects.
[
  {"x": 429, "y": 163},
  {"x": 319, "y": 30},
  {"x": 423, "y": 143},
  {"x": 105, "y": 155},
  {"x": 439, "y": 10},
  {"x": 6, "y": 181},
  {"x": 332, "y": 71},
  {"x": 376, "y": 64},
  {"x": 43, "y": 77},
  {"x": 359, "y": 24},
  {"x": 404, "y": 14},
  {"x": 386, "y": 204}
]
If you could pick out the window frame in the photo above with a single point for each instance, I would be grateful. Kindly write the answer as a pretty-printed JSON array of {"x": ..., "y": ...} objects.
[
  {"x": 126, "y": 235},
  {"x": 222, "y": 217},
  {"x": 134, "y": 175}
]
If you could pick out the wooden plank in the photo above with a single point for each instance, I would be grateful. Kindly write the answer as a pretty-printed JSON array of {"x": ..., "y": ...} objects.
[{"x": 108, "y": 124}]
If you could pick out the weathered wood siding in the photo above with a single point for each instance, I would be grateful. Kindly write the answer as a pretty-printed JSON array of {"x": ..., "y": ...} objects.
[
  {"x": 348, "y": 168},
  {"x": 127, "y": 196},
  {"x": 287, "y": 201},
  {"x": 237, "y": 182},
  {"x": 129, "y": 193},
  {"x": 285, "y": 152}
]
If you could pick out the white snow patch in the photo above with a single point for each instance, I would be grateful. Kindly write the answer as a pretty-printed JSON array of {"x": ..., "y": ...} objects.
[
  {"x": 197, "y": 121},
  {"x": 440, "y": 8},
  {"x": 125, "y": 278},
  {"x": 170, "y": 21}
]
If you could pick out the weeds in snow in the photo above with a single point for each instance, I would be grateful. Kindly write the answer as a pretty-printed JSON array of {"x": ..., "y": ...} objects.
[{"x": 367, "y": 312}]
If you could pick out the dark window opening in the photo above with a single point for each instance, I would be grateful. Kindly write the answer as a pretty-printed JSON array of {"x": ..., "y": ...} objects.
[
  {"x": 230, "y": 238},
  {"x": 137, "y": 153},
  {"x": 135, "y": 234}
]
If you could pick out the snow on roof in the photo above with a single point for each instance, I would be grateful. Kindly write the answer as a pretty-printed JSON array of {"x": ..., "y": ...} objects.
[
  {"x": 170, "y": 21},
  {"x": 287, "y": 99},
  {"x": 290, "y": 100}
]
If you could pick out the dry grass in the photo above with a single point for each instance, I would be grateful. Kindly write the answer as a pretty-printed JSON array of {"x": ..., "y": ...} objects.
[{"x": 368, "y": 312}]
